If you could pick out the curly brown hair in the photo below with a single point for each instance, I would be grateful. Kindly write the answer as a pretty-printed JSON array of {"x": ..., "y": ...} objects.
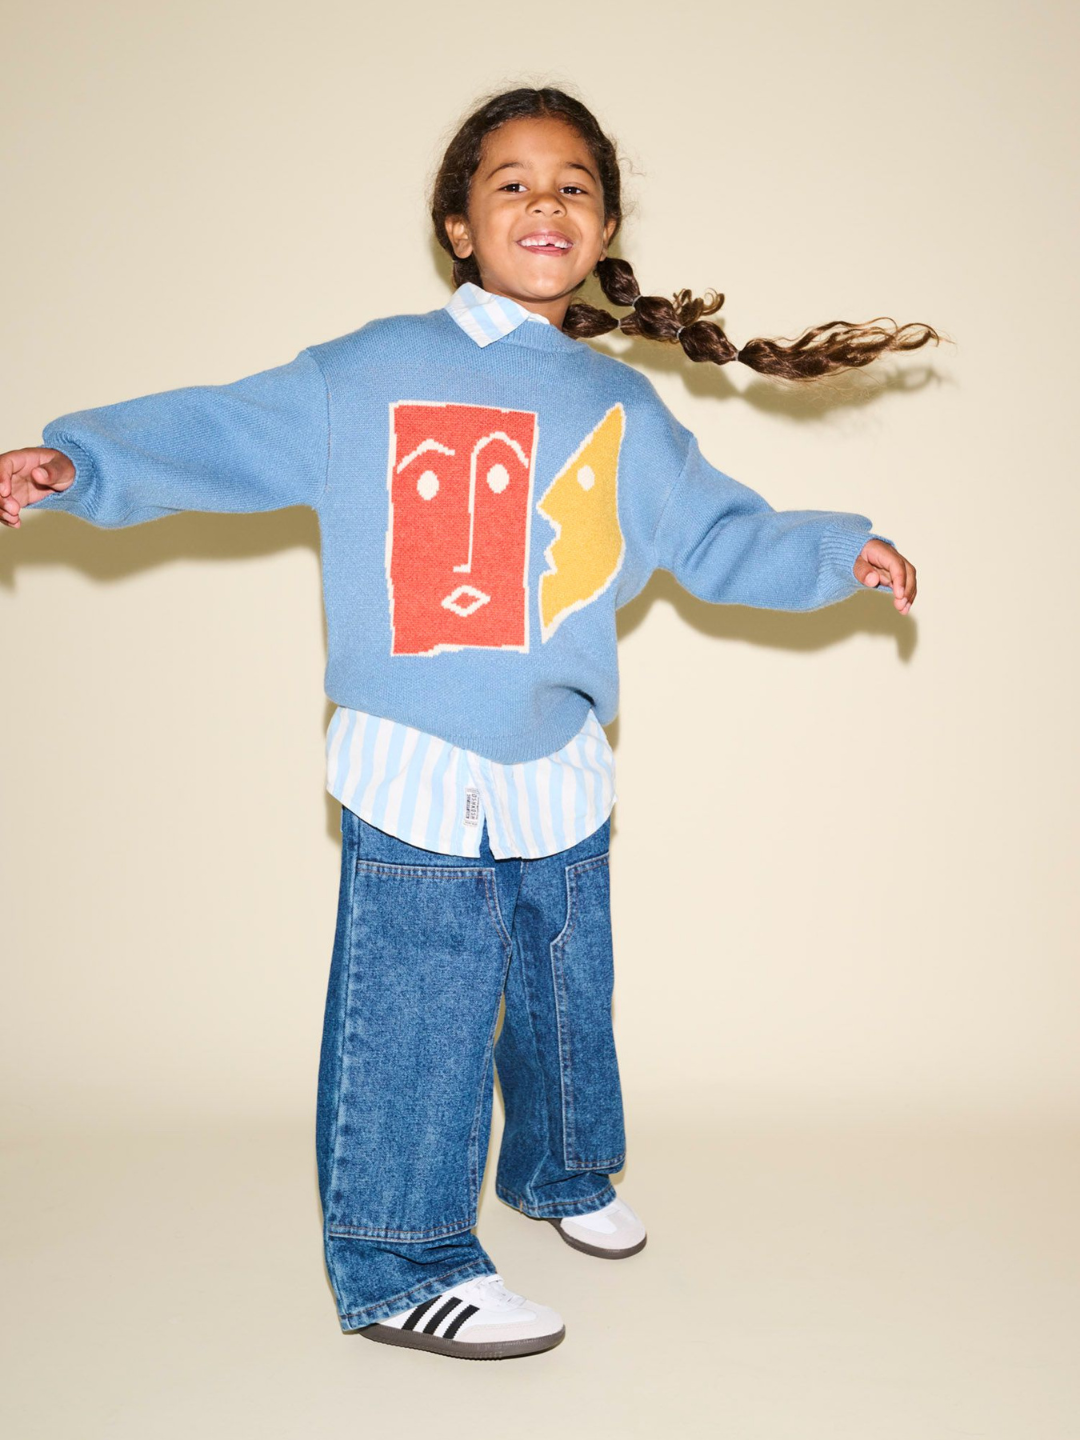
[{"x": 823, "y": 350}]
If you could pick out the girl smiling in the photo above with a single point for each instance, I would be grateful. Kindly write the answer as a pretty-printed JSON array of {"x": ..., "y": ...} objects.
[{"x": 490, "y": 491}]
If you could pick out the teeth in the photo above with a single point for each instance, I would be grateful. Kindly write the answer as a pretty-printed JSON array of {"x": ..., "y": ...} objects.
[{"x": 562, "y": 244}]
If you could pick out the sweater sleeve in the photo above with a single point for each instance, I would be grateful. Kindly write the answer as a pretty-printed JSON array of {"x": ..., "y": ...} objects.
[
  {"x": 725, "y": 543},
  {"x": 260, "y": 443}
]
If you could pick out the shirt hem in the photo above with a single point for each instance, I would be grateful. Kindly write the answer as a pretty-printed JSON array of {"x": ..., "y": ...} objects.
[{"x": 475, "y": 854}]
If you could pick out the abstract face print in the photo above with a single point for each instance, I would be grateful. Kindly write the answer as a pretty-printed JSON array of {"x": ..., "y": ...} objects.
[
  {"x": 457, "y": 544},
  {"x": 582, "y": 505}
]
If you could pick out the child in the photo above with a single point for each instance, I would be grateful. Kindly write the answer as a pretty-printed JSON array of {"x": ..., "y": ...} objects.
[{"x": 490, "y": 490}]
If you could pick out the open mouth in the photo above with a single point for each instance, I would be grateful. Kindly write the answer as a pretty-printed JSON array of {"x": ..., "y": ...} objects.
[
  {"x": 457, "y": 602},
  {"x": 547, "y": 245}
]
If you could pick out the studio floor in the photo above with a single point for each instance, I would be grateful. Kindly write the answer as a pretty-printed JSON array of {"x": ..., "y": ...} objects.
[{"x": 802, "y": 1281}]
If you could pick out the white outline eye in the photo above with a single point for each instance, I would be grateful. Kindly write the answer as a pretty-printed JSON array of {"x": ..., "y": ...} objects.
[
  {"x": 427, "y": 487},
  {"x": 586, "y": 477},
  {"x": 498, "y": 477}
]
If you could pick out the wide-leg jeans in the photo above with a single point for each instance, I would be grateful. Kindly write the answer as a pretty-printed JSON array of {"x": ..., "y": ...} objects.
[{"x": 425, "y": 946}]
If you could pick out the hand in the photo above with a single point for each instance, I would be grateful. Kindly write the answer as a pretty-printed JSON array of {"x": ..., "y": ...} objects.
[
  {"x": 878, "y": 562},
  {"x": 27, "y": 475}
]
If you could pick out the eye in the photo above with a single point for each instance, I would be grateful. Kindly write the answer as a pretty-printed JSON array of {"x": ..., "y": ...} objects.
[
  {"x": 498, "y": 478},
  {"x": 512, "y": 183},
  {"x": 427, "y": 487}
]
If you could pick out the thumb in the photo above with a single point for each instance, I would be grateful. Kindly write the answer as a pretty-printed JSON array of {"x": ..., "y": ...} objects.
[
  {"x": 864, "y": 571},
  {"x": 56, "y": 473}
]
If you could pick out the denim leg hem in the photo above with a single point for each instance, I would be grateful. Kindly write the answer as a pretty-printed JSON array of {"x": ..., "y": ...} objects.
[
  {"x": 552, "y": 1208},
  {"x": 382, "y": 1309}
]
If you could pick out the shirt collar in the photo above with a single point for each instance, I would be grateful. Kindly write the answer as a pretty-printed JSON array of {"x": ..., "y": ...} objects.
[{"x": 485, "y": 317}]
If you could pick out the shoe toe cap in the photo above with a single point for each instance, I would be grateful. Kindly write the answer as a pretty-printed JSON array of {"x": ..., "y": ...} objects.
[
  {"x": 534, "y": 1322},
  {"x": 627, "y": 1230}
]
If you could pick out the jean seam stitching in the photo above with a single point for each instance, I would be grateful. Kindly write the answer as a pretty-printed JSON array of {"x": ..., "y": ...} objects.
[
  {"x": 521, "y": 1203},
  {"x": 474, "y": 1157},
  {"x": 385, "y": 1232},
  {"x": 536, "y": 1050},
  {"x": 571, "y": 1159},
  {"x": 420, "y": 872},
  {"x": 560, "y": 1002},
  {"x": 492, "y": 898},
  {"x": 348, "y": 961}
]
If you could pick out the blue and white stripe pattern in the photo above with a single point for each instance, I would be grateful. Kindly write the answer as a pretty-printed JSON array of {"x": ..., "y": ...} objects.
[
  {"x": 437, "y": 795},
  {"x": 485, "y": 317}
]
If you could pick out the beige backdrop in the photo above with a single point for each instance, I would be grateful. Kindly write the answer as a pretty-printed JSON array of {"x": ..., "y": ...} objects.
[{"x": 844, "y": 844}]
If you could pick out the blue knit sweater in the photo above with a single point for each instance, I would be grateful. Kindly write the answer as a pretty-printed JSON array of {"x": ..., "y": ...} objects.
[{"x": 483, "y": 513}]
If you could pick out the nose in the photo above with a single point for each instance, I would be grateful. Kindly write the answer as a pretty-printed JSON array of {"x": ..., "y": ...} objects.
[{"x": 552, "y": 201}]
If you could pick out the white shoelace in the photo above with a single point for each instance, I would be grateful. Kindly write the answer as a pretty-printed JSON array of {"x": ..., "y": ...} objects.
[{"x": 496, "y": 1295}]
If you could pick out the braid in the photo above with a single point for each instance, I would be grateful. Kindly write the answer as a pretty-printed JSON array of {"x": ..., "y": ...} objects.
[{"x": 681, "y": 320}]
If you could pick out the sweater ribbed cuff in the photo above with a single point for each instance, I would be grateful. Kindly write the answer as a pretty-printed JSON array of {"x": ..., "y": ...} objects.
[
  {"x": 78, "y": 496},
  {"x": 840, "y": 547}
]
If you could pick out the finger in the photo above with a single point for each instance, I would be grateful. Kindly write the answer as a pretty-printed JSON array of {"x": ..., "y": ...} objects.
[
  {"x": 909, "y": 585},
  {"x": 900, "y": 584},
  {"x": 902, "y": 587},
  {"x": 895, "y": 567}
]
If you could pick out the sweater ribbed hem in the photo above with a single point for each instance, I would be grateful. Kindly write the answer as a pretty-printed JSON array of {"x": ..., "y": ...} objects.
[{"x": 508, "y": 746}]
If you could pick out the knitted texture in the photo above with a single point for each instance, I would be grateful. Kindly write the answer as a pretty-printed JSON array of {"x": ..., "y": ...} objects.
[{"x": 483, "y": 512}]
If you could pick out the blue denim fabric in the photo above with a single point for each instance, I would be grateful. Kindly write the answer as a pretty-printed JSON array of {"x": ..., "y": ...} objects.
[{"x": 425, "y": 946}]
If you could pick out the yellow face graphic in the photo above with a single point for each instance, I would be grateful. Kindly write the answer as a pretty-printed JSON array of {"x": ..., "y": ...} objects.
[{"x": 582, "y": 503}]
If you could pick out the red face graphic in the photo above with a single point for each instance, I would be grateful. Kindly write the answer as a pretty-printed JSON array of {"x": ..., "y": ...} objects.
[{"x": 457, "y": 546}]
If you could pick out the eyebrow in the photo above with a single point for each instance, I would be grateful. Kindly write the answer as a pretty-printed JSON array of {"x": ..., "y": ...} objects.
[{"x": 524, "y": 165}]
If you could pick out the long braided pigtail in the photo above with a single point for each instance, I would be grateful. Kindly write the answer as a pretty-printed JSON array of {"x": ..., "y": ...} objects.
[{"x": 823, "y": 350}]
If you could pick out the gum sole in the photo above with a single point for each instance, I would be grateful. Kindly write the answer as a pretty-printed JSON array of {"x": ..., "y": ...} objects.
[
  {"x": 594, "y": 1249},
  {"x": 462, "y": 1349}
]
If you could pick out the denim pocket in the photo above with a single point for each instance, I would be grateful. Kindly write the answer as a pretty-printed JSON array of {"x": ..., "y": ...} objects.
[
  {"x": 583, "y": 973},
  {"x": 427, "y": 956}
]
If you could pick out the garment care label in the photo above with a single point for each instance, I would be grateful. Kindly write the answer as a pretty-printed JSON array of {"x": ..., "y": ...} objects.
[{"x": 472, "y": 805}]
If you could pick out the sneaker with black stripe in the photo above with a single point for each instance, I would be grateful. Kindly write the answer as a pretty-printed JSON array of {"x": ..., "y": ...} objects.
[{"x": 479, "y": 1320}]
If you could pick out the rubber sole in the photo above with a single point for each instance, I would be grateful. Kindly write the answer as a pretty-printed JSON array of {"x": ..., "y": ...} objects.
[
  {"x": 605, "y": 1254},
  {"x": 461, "y": 1349}
]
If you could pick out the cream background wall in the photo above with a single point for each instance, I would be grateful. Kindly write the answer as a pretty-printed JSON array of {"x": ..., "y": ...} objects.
[
  {"x": 846, "y": 893},
  {"x": 848, "y": 883}
]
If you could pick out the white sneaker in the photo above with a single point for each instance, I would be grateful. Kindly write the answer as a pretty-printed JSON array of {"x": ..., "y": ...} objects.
[
  {"x": 613, "y": 1232},
  {"x": 479, "y": 1320}
]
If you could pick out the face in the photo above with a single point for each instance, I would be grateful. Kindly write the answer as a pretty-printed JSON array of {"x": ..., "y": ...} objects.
[
  {"x": 536, "y": 181},
  {"x": 460, "y": 481}
]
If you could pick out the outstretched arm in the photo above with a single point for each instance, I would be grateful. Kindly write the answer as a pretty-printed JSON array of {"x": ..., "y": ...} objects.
[
  {"x": 260, "y": 443},
  {"x": 725, "y": 543}
]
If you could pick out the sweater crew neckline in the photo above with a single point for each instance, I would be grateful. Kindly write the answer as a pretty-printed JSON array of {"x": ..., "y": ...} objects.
[{"x": 532, "y": 336}]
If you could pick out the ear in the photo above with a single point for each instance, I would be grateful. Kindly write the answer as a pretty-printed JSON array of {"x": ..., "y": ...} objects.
[
  {"x": 609, "y": 230},
  {"x": 457, "y": 232}
]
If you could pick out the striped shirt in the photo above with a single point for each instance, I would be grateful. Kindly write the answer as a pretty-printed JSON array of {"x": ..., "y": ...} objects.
[{"x": 437, "y": 795}]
